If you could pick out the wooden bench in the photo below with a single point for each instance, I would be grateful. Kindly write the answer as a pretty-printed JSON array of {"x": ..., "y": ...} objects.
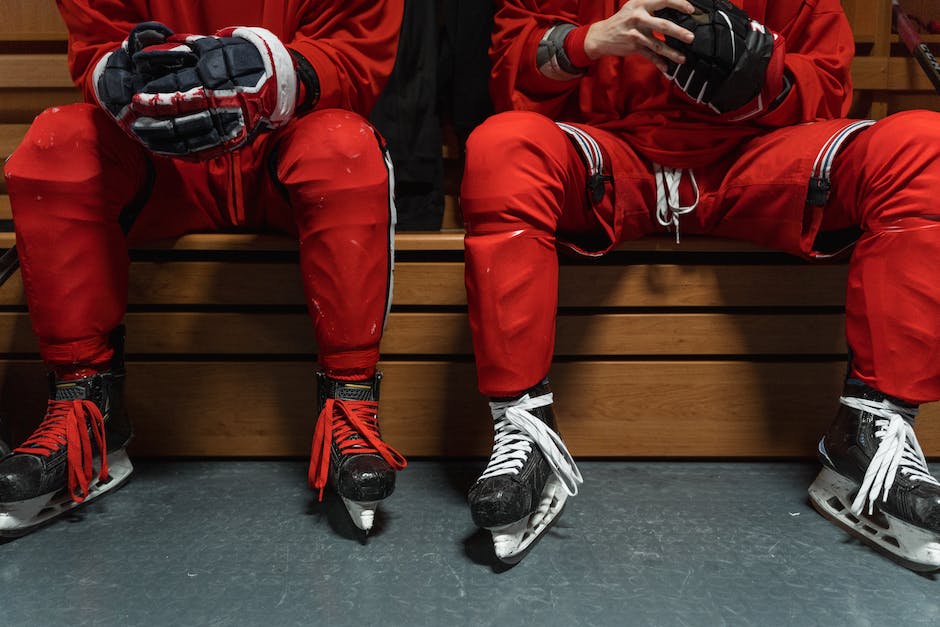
[{"x": 710, "y": 348}]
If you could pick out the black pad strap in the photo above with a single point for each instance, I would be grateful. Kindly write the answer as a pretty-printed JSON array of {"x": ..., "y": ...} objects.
[
  {"x": 309, "y": 79},
  {"x": 551, "y": 58}
]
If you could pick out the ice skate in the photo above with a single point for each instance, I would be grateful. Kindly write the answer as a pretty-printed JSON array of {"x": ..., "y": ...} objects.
[
  {"x": 529, "y": 477},
  {"x": 75, "y": 455},
  {"x": 875, "y": 482},
  {"x": 348, "y": 451}
]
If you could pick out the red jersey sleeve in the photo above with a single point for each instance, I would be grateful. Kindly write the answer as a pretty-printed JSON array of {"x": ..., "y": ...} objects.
[
  {"x": 819, "y": 51},
  {"x": 95, "y": 28},
  {"x": 352, "y": 46},
  {"x": 516, "y": 82}
]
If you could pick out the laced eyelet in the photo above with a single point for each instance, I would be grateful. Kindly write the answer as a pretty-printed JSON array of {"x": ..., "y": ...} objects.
[
  {"x": 898, "y": 450},
  {"x": 517, "y": 429},
  {"x": 71, "y": 424}
]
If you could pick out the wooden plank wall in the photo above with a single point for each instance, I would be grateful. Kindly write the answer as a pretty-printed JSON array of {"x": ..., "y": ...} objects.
[{"x": 709, "y": 349}]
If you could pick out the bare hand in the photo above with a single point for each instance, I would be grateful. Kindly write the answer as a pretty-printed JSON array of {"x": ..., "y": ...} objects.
[{"x": 630, "y": 31}]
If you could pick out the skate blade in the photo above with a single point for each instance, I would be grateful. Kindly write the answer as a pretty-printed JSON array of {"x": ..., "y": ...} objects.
[
  {"x": 21, "y": 517},
  {"x": 912, "y": 547},
  {"x": 513, "y": 541},
  {"x": 361, "y": 512}
]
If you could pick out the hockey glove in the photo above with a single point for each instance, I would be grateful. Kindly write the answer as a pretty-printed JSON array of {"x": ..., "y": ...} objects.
[
  {"x": 116, "y": 79},
  {"x": 242, "y": 83},
  {"x": 726, "y": 64}
]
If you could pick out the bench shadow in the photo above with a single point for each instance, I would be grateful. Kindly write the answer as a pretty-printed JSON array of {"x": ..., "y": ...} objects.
[
  {"x": 23, "y": 384},
  {"x": 23, "y": 396},
  {"x": 797, "y": 380},
  {"x": 781, "y": 398}
]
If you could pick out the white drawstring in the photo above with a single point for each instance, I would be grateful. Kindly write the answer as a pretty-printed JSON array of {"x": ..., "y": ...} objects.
[
  {"x": 668, "y": 208},
  {"x": 897, "y": 449},
  {"x": 516, "y": 429}
]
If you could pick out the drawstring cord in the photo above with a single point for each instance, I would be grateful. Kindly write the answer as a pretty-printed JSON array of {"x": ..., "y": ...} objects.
[{"x": 668, "y": 208}]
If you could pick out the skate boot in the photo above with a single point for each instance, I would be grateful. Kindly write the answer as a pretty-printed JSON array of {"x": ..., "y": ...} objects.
[
  {"x": 348, "y": 451},
  {"x": 529, "y": 477},
  {"x": 75, "y": 455},
  {"x": 875, "y": 482}
]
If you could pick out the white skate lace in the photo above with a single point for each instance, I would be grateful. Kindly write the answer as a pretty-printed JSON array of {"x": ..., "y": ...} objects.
[
  {"x": 668, "y": 208},
  {"x": 516, "y": 429},
  {"x": 898, "y": 450}
]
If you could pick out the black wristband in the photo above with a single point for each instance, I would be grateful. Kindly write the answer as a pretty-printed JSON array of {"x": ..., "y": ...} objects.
[
  {"x": 551, "y": 58},
  {"x": 309, "y": 79},
  {"x": 784, "y": 92}
]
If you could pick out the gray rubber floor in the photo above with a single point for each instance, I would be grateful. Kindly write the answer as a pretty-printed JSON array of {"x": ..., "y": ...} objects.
[{"x": 645, "y": 543}]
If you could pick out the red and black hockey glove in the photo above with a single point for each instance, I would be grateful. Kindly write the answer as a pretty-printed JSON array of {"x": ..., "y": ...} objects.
[
  {"x": 116, "y": 78},
  {"x": 729, "y": 63},
  {"x": 242, "y": 82}
]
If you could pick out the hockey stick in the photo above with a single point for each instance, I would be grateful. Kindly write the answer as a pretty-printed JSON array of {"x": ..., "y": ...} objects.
[{"x": 918, "y": 49}]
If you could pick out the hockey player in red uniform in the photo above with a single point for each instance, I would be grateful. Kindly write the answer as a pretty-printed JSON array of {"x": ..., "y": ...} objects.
[
  {"x": 204, "y": 116},
  {"x": 622, "y": 119}
]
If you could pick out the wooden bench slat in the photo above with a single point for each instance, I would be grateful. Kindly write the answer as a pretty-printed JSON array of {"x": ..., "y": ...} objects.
[
  {"x": 696, "y": 334},
  {"x": 32, "y": 21},
  {"x": 34, "y": 70},
  {"x": 441, "y": 283},
  {"x": 27, "y": 19},
  {"x": 860, "y": 17},
  {"x": 51, "y": 71},
  {"x": 904, "y": 74},
  {"x": 449, "y": 239},
  {"x": 10, "y": 35},
  {"x": 10, "y": 137},
  {"x": 444, "y": 241},
  {"x": 20, "y": 106},
  {"x": 890, "y": 74},
  {"x": 668, "y": 285},
  {"x": 629, "y": 408},
  {"x": 201, "y": 333}
]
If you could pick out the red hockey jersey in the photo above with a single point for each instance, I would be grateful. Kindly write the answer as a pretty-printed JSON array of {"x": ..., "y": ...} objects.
[
  {"x": 630, "y": 96},
  {"x": 351, "y": 44}
]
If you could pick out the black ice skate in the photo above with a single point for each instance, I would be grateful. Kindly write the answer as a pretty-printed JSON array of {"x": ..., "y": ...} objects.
[
  {"x": 875, "y": 482},
  {"x": 529, "y": 477},
  {"x": 75, "y": 455},
  {"x": 348, "y": 451}
]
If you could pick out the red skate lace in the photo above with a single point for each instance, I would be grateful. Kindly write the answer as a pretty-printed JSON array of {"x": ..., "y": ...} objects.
[
  {"x": 67, "y": 424},
  {"x": 343, "y": 421}
]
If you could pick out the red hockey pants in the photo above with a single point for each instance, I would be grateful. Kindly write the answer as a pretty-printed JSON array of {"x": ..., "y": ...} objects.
[
  {"x": 323, "y": 178},
  {"x": 524, "y": 190}
]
